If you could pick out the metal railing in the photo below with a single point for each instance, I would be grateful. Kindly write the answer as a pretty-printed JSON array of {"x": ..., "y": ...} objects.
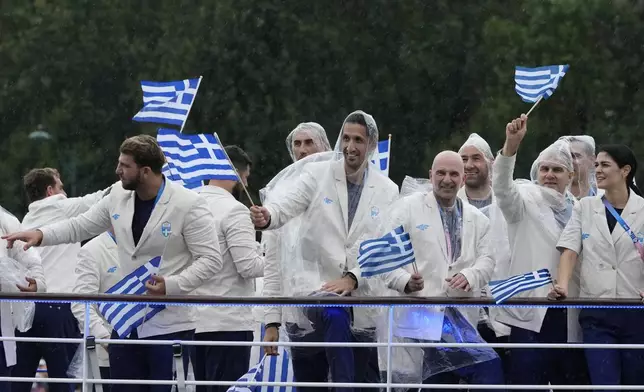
[{"x": 389, "y": 302}]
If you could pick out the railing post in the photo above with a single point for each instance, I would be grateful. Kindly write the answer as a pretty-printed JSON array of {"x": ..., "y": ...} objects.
[
  {"x": 85, "y": 335},
  {"x": 389, "y": 339}
]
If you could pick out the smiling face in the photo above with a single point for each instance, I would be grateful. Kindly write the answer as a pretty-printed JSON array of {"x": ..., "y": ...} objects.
[
  {"x": 447, "y": 175},
  {"x": 609, "y": 174},
  {"x": 477, "y": 170},
  {"x": 355, "y": 142},
  {"x": 554, "y": 176}
]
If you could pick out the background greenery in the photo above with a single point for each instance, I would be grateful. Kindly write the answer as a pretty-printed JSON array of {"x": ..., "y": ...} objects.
[{"x": 430, "y": 72}]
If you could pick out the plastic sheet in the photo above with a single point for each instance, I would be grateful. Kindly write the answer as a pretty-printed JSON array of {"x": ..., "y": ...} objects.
[
  {"x": 412, "y": 185},
  {"x": 13, "y": 273},
  {"x": 417, "y": 325},
  {"x": 582, "y": 148},
  {"x": 75, "y": 369},
  {"x": 315, "y": 131}
]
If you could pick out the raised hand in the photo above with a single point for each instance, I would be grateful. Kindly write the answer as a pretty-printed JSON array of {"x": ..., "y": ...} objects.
[{"x": 514, "y": 133}]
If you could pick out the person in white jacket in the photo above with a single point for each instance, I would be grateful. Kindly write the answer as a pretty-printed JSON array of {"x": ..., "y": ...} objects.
[
  {"x": 97, "y": 270},
  {"x": 606, "y": 235},
  {"x": 28, "y": 260},
  {"x": 339, "y": 202},
  {"x": 305, "y": 140},
  {"x": 49, "y": 204},
  {"x": 453, "y": 257},
  {"x": 242, "y": 263},
  {"x": 582, "y": 148},
  {"x": 536, "y": 213},
  {"x": 151, "y": 218}
]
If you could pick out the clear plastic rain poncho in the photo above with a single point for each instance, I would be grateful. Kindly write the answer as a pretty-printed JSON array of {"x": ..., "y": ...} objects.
[
  {"x": 476, "y": 141},
  {"x": 582, "y": 148},
  {"x": 299, "y": 255},
  {"x": 412, "y": 185},
  {"x": 317, "y": 133}
]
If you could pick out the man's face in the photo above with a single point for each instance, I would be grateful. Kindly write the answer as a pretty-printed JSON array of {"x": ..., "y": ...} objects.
[
  {"x": 476, "y": 167},
  {"x": 582, "y": 162},
  {"x": 355, "y": 143},
  {"x": 57, "y": 189},
  {"x": 554, "y": 177},
  {"x": 447, "y": 177},
  {"x": 303, "y": 144},
  {"x": 130, "y": 174}
]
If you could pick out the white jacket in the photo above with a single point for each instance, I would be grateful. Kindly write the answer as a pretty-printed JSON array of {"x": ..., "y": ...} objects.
[
  {"x": 611, "y": 267},
  {"x": 97, "y": 270},
  {"x": 325, "y": 239},
  {"x": 419, "y": 215},
  {"x": 181, "y": 229},
  {"x": 58, "y": 261},
  {"x": 242, "y": 263},
  {"x": 533, "y": 234},
  {"x": 31, "y": 260}
]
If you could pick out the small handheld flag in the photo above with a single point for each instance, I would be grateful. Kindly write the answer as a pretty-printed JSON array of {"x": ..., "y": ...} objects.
[
  {"x": 255, "y": 373},
  {"x": 381, "y": 156},
  {"x": 392, "y": 251},
  {"x": 168, "y": 102},
  {"x": 124, "y": 318},
  {"x": 535, "y": 84},
  {"x": 505, "y": 289}
]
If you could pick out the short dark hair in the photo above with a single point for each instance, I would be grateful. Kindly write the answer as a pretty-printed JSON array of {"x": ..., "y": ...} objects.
[
  {"x": 356, "y": 118},
  {"x": 37, "y": 181},
  {"x": 145, "y": 151},
  {"x": 238, "y": 157}
]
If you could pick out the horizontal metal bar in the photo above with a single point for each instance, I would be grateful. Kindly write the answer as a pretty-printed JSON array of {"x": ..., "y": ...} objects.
[
  {"x": 319, "y": 301},
  {"x": 40, "y": 340}
]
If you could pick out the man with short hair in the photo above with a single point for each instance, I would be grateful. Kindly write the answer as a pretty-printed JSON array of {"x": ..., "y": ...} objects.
[
  {"x": 242, "y": 263},
  {"x": 49, "y": 204},
  {"x": 582, "y": 148},
  {"x": 151, "y": 218},
  {"x": 339, "y": 202},
  {"x": 477, "y": 159}
]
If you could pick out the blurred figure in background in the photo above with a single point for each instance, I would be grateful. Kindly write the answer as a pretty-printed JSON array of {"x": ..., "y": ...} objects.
[{"x": 582, "y": 148}]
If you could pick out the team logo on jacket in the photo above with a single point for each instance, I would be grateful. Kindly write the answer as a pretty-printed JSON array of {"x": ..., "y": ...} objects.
[
  {"x": 327, "y": 200},
  {"x": 422, "y": 227},
  {"x": 166, "y": 229},
  {"x": 640, "y": 237},
  {"x": 111, "y": 270},
  {"x": 374, "y": 211},
  {"x": 116, "y": 216},
  {"x": 584, "y": 236}
]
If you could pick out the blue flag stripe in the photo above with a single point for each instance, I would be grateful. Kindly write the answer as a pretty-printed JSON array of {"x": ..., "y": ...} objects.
[
  {"x": 534, "y": 83},
  {"x": 392, "y": 251}
]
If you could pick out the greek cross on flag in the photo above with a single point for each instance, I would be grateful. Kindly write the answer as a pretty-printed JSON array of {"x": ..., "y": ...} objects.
[
  {"x": 505, "y": 289},
  {"x": 540, "y": 82},
  {"x": 124, "y": 318},
  {"x": 385, "y": 254},
  {"x": 167, "y": 102},
  {"x": 380, "y": 156}
]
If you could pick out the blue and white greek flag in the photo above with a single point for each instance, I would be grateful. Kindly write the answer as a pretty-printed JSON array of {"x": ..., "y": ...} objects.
[
  {"x": 194, "y": 158},
  {"x": 253, "y": 375},
  {"x": 380, "y": 156},
  {"x": 124, "y": 318},
  {"x": 505, "y": 289},
  {"x": 277, "y": 369},
  {"x": 533, "y": 83},
  {"x": 167, "y": 102},
  {"x": 385, "y": 254}
]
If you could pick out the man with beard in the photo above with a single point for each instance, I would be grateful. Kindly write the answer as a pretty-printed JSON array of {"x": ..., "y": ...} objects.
[
  {"x": 151, "y": 218},
  {"x": 305, "y": 140},
  {"x": 242, "y": 263},
  {"x": 340, "y": 203}
]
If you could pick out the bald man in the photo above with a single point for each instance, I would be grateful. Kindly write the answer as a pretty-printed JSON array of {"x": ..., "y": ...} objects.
[{"x": 453, "y": 256}]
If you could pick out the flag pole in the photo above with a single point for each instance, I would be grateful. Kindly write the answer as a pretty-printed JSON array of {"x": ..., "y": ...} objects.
[
  {"x": 534, "y": 106},
  {"x": 190, "y": 107},
  {"x": 235, "y": 169},
  {"x": 389, "y": 158}
]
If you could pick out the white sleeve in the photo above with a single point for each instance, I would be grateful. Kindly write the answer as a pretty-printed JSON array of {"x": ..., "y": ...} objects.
[
  {"x": 240, "y": 239},
  {"x": 272, "y": 275},
  {"x": 88, "y": 278},
  {"x": 481, "y": 272},
  {"x": 203, "y": 244},
  {"x": 87, "y": 225},
  {"x": 294, "y": 202},
  {"x": 30, "y": 258},
  {"x": 571, "y": 237},
  {"x": 505, "y": 190},
  {"x": 75, "y": 206}
]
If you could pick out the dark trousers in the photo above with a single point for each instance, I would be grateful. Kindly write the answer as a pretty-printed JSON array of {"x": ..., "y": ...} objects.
[
  {"x": 5, "y": 371},
  {"x": 51, "y": 320},
  {"x": 540, "y": 366},
  {"x": 488, "y": 372},
  {"x": 346, "y": 364},
  {"x": 105, "y": 375},
  {"x": 139, "y": 362},
  {"x": 489, "y": 336},
  {"x": 614, "y": 326},
  {"x": 220, "y": 363}
]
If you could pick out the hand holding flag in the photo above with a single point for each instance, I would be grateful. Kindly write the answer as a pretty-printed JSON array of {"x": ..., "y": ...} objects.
[
  {"x": 505, "y": 289},
  {"x": 156, "y": 285}
]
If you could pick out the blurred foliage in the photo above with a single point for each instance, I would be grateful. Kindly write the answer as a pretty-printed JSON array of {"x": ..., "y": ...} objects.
[{"x": 429, "y": 71}]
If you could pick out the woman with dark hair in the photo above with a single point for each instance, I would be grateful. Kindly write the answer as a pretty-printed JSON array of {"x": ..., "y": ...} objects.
[{"x": 605, "y": 232}]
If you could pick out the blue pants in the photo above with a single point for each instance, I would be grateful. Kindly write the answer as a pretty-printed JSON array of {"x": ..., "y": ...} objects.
[
  {"x": 138, "y": 362},
  {"x": 540, "y": 366},
  {"x": 346, "y": 364},
  {"x": 489, "y": 372},
  {"x": 489, "y": 336},
  {"x": 51, "y": 320},
  {"x": 614, "y": 326},
  {"x": 220, "y": 363}
]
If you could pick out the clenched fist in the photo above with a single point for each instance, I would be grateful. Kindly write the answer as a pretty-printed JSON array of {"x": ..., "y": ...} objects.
[
  {"x": 260, "y": 216},
  {"x": 514, "y": 133}
]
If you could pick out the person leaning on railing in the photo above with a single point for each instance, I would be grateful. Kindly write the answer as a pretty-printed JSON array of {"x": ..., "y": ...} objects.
[{"x": 605, "y": 234}]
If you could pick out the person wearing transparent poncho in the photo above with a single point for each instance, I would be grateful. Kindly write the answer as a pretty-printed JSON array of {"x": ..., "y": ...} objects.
[
  {"x": 477, "y": 190},
  {"x": 536, "y": 212},
  {"x": 20, "y": 270},
  {"x": 451, "y": 249},
  {"x": 306, "y": 139},
  {"x": 338, "y": 197},
  {"x": 582, "y": 148}
]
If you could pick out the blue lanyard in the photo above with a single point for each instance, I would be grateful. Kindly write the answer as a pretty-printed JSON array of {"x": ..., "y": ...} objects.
[
  {"x": 112, "y": 235},
  {"x": 624, "y": 225},
  {"x": 161, "y": 189}
]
